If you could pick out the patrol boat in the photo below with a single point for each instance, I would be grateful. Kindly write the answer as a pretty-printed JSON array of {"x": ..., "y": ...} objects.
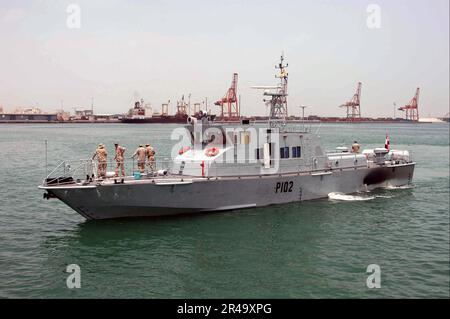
[{"x": 220, "y": 168}]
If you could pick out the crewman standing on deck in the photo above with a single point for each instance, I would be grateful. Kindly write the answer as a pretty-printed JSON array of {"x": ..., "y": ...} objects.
[
  {"x": 140, "y": 154},
  {"x": 120, "y": 151},
  {"x": 101, "y": 155},
  {"x": 355, "y": 147},
  {"x": 150, "y": 152}
]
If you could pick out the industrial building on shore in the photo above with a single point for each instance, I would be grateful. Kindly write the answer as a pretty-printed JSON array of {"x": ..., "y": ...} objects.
[
  {"x": 36, "y": 115},
  {"x": 27, "y": 115}
]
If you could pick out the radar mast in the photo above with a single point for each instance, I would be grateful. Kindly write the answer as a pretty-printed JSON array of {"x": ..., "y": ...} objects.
[{"x": 278, "y": 97}]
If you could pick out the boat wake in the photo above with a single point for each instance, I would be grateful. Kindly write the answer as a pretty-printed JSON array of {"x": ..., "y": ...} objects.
[
  {"x": 399, "y": 187},
  {"x": 344, "y": 197}
]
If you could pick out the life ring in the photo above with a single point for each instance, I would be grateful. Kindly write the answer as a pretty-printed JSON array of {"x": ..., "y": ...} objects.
[
  {"x": 213, "y": 151},
  {"x": 183, "y": 150}
]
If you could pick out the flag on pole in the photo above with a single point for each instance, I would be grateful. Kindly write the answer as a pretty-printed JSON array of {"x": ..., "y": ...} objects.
[{"x": 386, "y": 144}]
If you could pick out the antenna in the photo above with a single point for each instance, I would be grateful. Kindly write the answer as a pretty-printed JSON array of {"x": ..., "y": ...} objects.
[{"x": 278, "y": 97}]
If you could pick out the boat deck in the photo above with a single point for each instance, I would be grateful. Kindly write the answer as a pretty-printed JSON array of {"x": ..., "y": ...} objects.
[{"x": 173, "y": 179}]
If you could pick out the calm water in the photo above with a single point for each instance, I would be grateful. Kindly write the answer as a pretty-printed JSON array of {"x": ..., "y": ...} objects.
[{"x": 311, "y": 250}]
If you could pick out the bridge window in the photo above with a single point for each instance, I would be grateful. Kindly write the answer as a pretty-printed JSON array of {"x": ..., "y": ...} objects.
[
  {"x": 296, "y": 151},
  {"x": 284, "y": 152}
]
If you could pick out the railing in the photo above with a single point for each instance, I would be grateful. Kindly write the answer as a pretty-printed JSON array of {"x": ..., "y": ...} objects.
[
  {"x": 83, "y": 171},
  {"x": 68, "y": 172},
  {"x": 388, "y": 157}
]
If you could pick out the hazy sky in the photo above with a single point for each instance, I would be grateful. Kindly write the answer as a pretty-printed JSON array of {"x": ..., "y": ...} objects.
[{"x": 163, "y": 49}]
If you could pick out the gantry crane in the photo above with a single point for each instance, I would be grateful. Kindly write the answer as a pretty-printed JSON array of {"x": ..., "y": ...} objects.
[
  {"x": 354, "y": 105},
  {"x": 412, "y": 108},
  {"x": 229, "y": 103}
]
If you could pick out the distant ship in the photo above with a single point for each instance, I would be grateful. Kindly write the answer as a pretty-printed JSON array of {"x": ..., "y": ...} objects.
[{"x": 143, "y": 114}]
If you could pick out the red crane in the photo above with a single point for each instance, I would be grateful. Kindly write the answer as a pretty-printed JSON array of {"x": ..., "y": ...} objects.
[
  {"x": 230, "y": 102},
  {"x": 353, "y": 106},
  {"x": 412, "y": 109}
]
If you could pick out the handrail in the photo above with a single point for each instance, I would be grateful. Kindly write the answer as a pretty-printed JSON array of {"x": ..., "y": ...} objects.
[
  {"x": 88, "y": 168},
  {"x": 63, "y": 169}
]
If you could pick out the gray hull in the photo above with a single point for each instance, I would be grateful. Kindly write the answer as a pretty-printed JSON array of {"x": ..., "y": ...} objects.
[{"x": 149, "y": 198}]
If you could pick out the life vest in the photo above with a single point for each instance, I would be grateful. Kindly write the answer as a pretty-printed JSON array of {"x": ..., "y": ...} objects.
[{"x": 213, "y": 151}]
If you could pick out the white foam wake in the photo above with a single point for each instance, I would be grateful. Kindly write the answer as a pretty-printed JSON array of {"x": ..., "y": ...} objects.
[
  {"x": 344, "y": 197},
  {"x": 383, "y": 196},
  {"x": 409, "y": 186}
]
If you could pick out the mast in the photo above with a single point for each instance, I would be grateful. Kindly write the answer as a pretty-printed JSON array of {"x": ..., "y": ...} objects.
[{"x": 278, "y": 97}]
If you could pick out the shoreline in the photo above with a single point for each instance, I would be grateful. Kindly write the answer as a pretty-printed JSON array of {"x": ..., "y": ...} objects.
[{"x": 225, "y": 122}]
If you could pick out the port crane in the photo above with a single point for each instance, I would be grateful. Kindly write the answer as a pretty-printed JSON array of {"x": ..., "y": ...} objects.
[
  {"x": 229, "y": 104},
  {"x": 412, "y": 108},
  {"x": 354, "y": 105},
  {"x": 181, "y": 107}
]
